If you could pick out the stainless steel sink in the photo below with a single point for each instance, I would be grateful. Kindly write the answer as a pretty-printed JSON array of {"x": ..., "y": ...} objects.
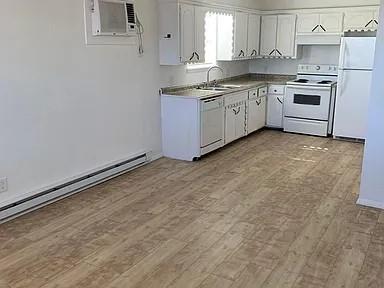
[
  {"x": 219, "y": 87},
  {"x": 214, "y": 88},
  {"x": 231, "y": 86}
]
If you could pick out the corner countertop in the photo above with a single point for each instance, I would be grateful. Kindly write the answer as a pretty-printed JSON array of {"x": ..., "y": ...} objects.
[{"x": 246, "y": 82}]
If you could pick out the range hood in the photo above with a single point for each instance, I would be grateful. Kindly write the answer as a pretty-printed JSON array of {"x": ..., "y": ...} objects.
[{"x": 318, "y": 39}]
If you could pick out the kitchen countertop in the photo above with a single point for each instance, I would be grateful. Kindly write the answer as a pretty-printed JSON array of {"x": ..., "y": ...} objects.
[{"x": 246, "y": 82}]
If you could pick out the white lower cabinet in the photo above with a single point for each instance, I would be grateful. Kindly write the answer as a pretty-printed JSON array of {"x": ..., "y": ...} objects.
[
  {"x": 235, "y": 116},
  {"x": 275, "y": 100},
  {"x": 192, "y": 127},
  {"x": 257, "y": 110}
]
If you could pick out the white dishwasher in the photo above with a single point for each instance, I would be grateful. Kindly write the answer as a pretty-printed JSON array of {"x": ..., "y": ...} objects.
[{"x": 212, "y": 124}]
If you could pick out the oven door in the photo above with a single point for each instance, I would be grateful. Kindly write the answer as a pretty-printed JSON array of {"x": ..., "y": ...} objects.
[{"x": 307, "y": 102}]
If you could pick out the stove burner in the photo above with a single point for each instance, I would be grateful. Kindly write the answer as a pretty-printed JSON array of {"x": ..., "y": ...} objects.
[
  {"x": 301, "y": 81},
  {"x": 324, "y": 82}
]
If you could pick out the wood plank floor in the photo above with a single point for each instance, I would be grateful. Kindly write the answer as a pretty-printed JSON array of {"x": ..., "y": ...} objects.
[{"x": 273, "y": 210}]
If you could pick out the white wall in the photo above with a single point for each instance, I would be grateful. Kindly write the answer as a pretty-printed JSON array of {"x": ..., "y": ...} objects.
[
  {"x": 296, "y": 4},
  {"x": 372, "y": 186},
  {"x": 67, "y": 108},
  {"x": 309, "y": 54}
]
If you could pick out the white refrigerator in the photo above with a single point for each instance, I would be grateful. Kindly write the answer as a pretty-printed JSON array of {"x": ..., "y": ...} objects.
[{"x": 354, "y": 87}]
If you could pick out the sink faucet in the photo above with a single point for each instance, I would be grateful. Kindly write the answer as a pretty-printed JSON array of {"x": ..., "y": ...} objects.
[{"x": 209, "y": 71}]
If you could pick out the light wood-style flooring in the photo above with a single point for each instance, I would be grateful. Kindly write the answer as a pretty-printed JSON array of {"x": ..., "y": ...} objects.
[{"x": 273, "y": 210}]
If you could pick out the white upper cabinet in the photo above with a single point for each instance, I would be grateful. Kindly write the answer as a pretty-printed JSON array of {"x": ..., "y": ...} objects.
[
  {"x": 331, "y": 22},
  {"x": 358, "y": 20},
  {"x": 278, "y": 33},
  {"x": 286, "y": 36},
  {"x": 241, "y": 35},
  {"x": 308, "y": 23},
  {"x": 244, "y": 29},
  {"x": 192, "y": 26},
  {"x": 182, "y": 33},
  {"x": 361, "y": 20},
  {"x": 268, "y": 35},
  {"x": 253, "y": 47},
  {"x": 187, "y": 27},
  {"x": 320, "y": 23}
]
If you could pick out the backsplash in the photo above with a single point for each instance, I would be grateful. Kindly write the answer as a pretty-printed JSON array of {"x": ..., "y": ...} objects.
[
  {"x": 180, "y": 76},
  {"x": 321, "y": 54}
]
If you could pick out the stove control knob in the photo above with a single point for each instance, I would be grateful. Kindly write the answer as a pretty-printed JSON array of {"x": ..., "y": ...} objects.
[{"x": 318, "y": 67}]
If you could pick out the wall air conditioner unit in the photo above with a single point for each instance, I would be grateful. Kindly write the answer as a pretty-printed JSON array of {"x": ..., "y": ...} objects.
[{"x": 113, "y": 18}]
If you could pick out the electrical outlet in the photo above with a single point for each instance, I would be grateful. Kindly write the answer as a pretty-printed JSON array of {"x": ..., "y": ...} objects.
[{"x": 3, "y": 185}]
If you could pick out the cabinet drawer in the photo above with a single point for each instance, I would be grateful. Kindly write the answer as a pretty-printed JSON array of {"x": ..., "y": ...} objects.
[
  {"x": 235, "y": 98},
  {"x": 253, "y": 94},
  {"x": 263, "y": 91},
  {"x": 276, "y": 89}
]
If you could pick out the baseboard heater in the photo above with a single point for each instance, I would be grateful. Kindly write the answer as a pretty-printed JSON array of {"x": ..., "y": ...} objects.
[{"x": 53, "y": 194}]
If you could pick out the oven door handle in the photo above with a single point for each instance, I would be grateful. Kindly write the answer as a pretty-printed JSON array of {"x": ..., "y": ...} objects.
[{"x": 308, "y": 87}]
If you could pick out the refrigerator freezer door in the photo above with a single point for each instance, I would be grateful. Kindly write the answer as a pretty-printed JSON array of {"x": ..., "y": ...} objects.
[
  {"x": 353, "y": 94},
  {"x": 357, "y": 53}
]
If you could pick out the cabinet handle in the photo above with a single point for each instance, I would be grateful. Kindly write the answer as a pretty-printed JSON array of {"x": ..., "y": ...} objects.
[
  {"x": 254, "y": 53},
  {"x": 272, "y": 52},
  {"x": 377, "y": 22},
  {"x": 241, "y": 53},
  {"x": 279, "y": 52},
  {"x": 278, "y": 99},
  {"x": 236, "y": 112},
  {"x": 193, "y": 56},
  {"x": 258, "y": 102},
  {"x": 369, "y": 23},
  {"x": 198, "y": 56},
  {"x": 321, "y": 26},
  {"x": 317, "y": 26}
]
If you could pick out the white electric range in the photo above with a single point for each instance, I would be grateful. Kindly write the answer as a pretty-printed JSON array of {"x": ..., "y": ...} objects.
[{"x": 309, "y": 103}]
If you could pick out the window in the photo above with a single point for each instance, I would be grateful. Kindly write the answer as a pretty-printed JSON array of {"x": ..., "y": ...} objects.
[{"x": 210, "y": 38}]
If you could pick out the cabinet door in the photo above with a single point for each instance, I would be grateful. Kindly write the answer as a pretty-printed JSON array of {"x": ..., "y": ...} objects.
[
  {"x": 256, "y": 114},
  {"x": 352, "y": 103},
  {"x": 241, "y": 33},
  {"x": 286, "y": 36},
  {"x": 268, "y": 35},
  {"x": 230, "y": 124},
  {"x": 187, "y": 30},
  {"x": 358, "y": 20},
  {"x": 275, "y": 111},
  {"x": 331, "y": 23},
  {"x": 241, "y": 121},
  {"x": 253, "y": 47},
  {"x": 200, "y": 14},
  {"x": 308, "y": 23}
]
